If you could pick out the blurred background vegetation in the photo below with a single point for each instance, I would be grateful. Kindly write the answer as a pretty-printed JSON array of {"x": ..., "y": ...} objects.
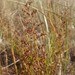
[{"x": 37, "y": 37}]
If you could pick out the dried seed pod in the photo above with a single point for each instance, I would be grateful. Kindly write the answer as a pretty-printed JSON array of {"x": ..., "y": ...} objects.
[{"x": 72, "y": 54}]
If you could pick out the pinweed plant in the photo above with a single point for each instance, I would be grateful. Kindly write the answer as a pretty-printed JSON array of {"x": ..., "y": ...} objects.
[{"x": 35, "y": 38}]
